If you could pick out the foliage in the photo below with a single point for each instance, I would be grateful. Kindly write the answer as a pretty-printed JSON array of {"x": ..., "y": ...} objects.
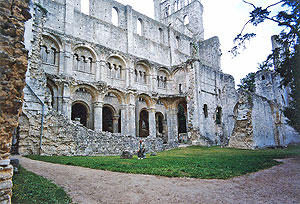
[
  {"x": 194, "y": 161},
  {"x": 31, "y": 188},
  {"x": 248, "y": 83},
  {"x": 285, "y": 58}
]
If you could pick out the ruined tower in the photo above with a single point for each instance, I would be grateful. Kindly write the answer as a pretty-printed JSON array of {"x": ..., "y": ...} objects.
[{"x": 185, "y": 16}]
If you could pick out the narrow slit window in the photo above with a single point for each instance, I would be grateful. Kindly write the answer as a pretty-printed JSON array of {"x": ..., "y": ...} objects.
[
  {"x": 186, "y": 20},
  {"x": 140, "y": 27},
  {"x": 85, "y": 6},
  {"x": 115, "y": 16}
]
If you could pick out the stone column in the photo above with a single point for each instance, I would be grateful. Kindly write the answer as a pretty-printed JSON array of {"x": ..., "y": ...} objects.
[
  {"x": 98, "y": 116},
  {"x": 124, "y": 112},
  {"x": 68, "y": 60},
  {"x": 102, "y": 70},
  {"x": 152, "y": 123},
  {"x": 172, "y": 125},
  {"x": 66, "y": 101},
  {"x": 97, "y": 71},
  {"x": 131, "y": 123},
  {"x": 115, "y": 123}
]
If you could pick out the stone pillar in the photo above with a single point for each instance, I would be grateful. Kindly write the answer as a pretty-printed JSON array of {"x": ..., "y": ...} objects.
[
  {"x": 97, "y": 71},
  {"x": 98, "y": 116},
  {"x": 152, "y": 123},
  {"x": 131, "y": 123},
  {"x": 61, "y": 62},
  {"x": 68, "y": 60},
  {"x": 130, "y": 43},
  {"x": 103, "y": 71},
  {"x": 172, "y": 125},
  {"x": 115, "y": 123},
  {"x": 66, "y": 101},
  {"x": 14, "y": 62},
  {"x": 124, "y": 111}
]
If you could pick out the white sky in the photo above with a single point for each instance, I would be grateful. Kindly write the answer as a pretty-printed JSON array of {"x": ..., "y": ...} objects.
[{"x": 225, "y": 19}]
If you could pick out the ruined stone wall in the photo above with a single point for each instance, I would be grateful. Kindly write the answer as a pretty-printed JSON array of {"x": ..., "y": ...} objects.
[
  {"x": 209, "y": 90},
  {"x": 260, "y": 123},
  {"x": 13, "y": 60},
  {"x": 64, "y": 137}
]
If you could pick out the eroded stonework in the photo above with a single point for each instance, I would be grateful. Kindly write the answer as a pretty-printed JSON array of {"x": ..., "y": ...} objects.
[
  {"x": 13, "y": 65},
  {"x": 97, "y": 84}
]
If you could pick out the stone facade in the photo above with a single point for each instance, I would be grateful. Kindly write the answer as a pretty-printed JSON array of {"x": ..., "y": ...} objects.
[
  {"x": 13, "y": 60},
  {"x": 259, "y": 119},
  {"x": 123, "y": 76}
]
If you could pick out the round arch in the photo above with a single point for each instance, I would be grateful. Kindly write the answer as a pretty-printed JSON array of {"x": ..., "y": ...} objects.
[
  {"x": 87, "y": 47},
  {"x": 81, "y": 112},
  {"x": 147, "y": 99},
  {"x": 119, "y": 57},
  {"x": 120, "y": 95},
  {"x": 90, "y": 89},
  {"x": 144, "y": 123},
  {"x": 108, "y": 112},
  {"x": 56, "y": 40}
]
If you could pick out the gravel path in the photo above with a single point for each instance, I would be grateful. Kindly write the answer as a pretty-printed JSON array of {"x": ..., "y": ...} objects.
[{"x": 280, "y": 184}]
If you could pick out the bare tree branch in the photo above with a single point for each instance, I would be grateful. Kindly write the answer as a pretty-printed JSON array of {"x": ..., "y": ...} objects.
[
  {"x": 274, "y": 4},
  {"x": 249, "y": 3}
]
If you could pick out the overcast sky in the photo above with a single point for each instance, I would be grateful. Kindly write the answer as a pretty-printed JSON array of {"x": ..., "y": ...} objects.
[{"x": 225, "y": 19}]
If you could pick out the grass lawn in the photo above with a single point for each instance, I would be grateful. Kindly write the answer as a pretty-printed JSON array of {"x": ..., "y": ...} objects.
[
  {"x": 194, "y": 161},
  {"x": 30, "y": 188}
]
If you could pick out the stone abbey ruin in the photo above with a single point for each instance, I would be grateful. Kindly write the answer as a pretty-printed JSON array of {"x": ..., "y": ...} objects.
[{"x": 96, "y": 83}]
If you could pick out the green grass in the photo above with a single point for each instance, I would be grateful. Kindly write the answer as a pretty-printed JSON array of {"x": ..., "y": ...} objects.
[
  {"x": 30, "y": 188},
  {"x": 195, "y": 161}
]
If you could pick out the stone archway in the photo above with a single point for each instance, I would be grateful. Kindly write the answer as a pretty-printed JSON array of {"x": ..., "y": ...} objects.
[
  {"x": 80, "y": 112},
  {"x": 144, "y": 123},
  {"x": 182, "y": 122}
]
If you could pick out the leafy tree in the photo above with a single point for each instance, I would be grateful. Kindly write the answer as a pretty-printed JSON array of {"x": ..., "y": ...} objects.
[
  {"x": 286, "y": 58},
  {"x": 248, "y": 83}
]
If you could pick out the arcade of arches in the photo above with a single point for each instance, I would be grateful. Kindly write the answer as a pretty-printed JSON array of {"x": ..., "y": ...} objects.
[{"x": 128, "y": 114}]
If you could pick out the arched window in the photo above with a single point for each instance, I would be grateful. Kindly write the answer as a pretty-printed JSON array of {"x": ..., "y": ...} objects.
[
  {"x": 186, "y": 20},
  {"x": 161, "y": 35},
  {"x": 140, "y": 27},
  {"x": 178, "y": 42},
  {"x": 219, "y": 116},
  {"x": 168, "y": 11},
  {"x": 115, "y": 16},
  {"x": 205, "y": 110},
  {"x": 85, "y": 6},
  {"x": 175, "y": 6}
]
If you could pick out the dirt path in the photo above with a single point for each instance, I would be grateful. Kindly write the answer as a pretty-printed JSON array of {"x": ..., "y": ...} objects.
[{"x": 280, "y": 184}]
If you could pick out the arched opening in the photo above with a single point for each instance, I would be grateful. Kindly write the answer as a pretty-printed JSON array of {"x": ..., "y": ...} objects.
[
  {"x": 107, "y": 119},
  {"x": 80, "y": 113},
  {"x": 219, "y": 116},
  {"x": 186, "y": 20},
  {"x": 85, "y": 6},
  {"x": 159, "y": 123},
  {"x": 178, "y": 42},
  {"x": 115, "y": 16},
  {"x": 205, "y": 111},
  {"x": 181, "y": 116},
  {"x": 140, "y": 27},
  {"x": 161, "y": 35},
  {"x": 144, "y": 124}
]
